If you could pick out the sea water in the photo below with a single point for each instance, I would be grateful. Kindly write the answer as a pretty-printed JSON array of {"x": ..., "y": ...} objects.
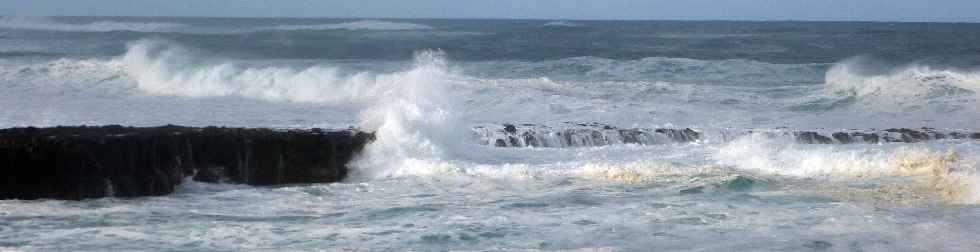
[{"x": 430, "y": 89}]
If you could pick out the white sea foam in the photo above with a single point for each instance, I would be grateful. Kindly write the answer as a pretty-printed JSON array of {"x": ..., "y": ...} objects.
[
  {"x": 375, "y": 25},
  {"x": 414, "y": 121},
  {"x": 39, "y": 23},
  {"x": 604, "y": 171},
  {"x": 945, "y": 175},
  {"x": 167, "y": 69},
  {"x": 88, "y": 71}
]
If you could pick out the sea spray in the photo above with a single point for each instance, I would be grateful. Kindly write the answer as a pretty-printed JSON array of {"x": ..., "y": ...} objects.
[
  {"x": 414, "y": 122},
  {"x": 410, "y": 111}
]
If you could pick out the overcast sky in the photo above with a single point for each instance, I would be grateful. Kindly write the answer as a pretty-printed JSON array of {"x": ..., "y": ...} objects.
[{"x": 874, "y": 10}]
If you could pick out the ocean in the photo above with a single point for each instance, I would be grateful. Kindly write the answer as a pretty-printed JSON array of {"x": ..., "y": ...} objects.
[{"x": 528, "y": 135}]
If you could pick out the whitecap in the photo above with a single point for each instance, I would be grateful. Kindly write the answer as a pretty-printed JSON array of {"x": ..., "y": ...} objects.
[{"x": 906, "y": 88}]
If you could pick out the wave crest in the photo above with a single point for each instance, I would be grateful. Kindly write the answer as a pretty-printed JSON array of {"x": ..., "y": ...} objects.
[
  {"x": 409, "y": 111},
  {"x": 168, "y": 69},
  {"x": 911, "y": 87},
  {"x": 945, "y": 176},
  {"x": 415, "y": 124}
]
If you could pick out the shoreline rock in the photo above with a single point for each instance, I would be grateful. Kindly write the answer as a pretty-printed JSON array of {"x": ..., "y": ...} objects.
[
  {"x": 570, "y": 135},
  {"x": 85, "y": 162}
]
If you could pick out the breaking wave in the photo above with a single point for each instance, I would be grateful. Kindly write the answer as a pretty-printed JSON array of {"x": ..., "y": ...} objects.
[
  {"x": 167, "y": 69},
  {"x": 908, "y": 88},
  {"x": 947, "y": 176},
  {"x": 409, "y": 110},
  {"x": 371, "y": 25},
  {"x": 48, "y": 24},
  {"x": 415, "y": 125},
  {"x": 88, "y": 70}
]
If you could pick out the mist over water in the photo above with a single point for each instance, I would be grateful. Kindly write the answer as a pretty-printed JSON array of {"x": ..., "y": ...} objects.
[{"x": 438, "y": 93}]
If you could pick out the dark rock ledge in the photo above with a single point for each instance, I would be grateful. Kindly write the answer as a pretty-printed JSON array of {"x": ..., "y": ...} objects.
[
  {"x": 597, "y": 134},
  {"x": 895, "y": 135},
  {"x": 91, "y": 162}
]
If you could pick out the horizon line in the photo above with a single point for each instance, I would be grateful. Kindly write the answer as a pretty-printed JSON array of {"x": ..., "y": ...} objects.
[{"x": 516, "y": 19}]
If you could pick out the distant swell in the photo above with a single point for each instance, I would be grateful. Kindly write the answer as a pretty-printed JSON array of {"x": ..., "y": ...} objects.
[
  {"x": 358, "y": 25},
  {"x": 32, "y": 23},
  {"x": 730, "y": 72},
  {"x": 566, "y": 24}
]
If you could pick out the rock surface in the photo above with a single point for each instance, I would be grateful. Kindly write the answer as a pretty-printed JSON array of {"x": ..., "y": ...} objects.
[
  {"x": 578, "y": 135},
  {"x": 899, "y": 135},
  {"x": 91, "y": 162},
  {"x": 597, "y": 134}
]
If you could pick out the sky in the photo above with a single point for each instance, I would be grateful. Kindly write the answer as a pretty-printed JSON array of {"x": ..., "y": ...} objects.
[{"x": 839, "y": 10}]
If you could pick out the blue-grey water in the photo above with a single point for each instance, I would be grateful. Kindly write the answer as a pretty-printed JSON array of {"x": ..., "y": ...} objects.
[{"x": 437, "y": 91}]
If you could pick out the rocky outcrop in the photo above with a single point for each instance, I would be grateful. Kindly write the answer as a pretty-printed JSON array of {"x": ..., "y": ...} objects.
[
  {"x": 897, "y": 135},
  {"x": 578, "y": 135},
  {"x": 597, "y": 134},
  {"x": 91, "y": 162}
]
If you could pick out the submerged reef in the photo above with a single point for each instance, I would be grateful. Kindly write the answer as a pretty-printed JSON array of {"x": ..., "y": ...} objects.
[{"x": 114, "y": 161}]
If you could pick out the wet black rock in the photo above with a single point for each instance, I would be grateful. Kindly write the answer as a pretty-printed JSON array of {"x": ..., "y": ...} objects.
[
  {"x": 812, "y": 138},
  {"x": 895, "y": 135},
  {"x": 92, "y": 162},
  {"x": 680, "y": 135},
  {"x": 572, "y": 134},
  {"x": 867, "y": 138},
  {"x": 579, "y": 135},
  {"x": 910, "y": 135},
  {"x": 510, "y": 128},
  {"x": 818, "y": 245},
  {"x": 842, "y": 137},
  {"x": 500, "y": 143}
]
